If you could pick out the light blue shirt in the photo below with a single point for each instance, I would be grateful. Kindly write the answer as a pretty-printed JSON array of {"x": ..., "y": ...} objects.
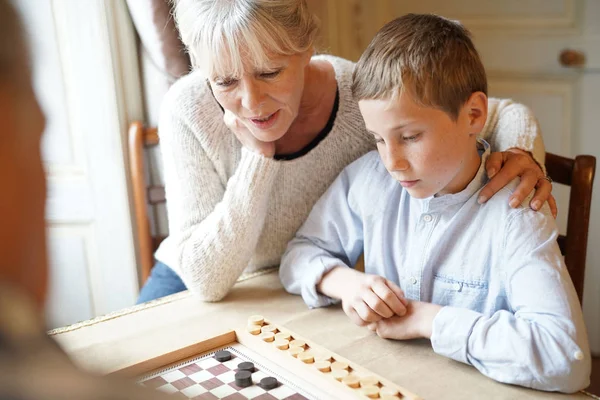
[{"x": 510, "y": 308}]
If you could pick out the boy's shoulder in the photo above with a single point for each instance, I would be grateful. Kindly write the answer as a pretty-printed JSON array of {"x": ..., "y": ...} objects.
[{"x": 499, "y": 203}]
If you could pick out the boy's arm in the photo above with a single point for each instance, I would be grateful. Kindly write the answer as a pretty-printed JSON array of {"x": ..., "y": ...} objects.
[
  {"x": 542, "y": 343},
  {"x": 332, "y": 236},
  {"x": 512, "y": 125}
]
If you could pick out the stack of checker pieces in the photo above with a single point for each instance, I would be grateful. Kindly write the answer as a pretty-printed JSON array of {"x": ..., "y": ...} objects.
[{"x": 366, "y": 386}]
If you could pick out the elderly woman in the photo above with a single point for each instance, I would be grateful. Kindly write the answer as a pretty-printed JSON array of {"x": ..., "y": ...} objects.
[{"x": 256, "y": 133}]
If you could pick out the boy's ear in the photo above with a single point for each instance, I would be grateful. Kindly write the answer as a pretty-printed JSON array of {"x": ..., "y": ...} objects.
[{"x": 476, "y": 108}]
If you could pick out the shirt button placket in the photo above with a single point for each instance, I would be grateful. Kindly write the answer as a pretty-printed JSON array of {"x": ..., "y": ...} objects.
[
  {"x": 411, "y": 288},
  {"x": 415, "y": 287}
]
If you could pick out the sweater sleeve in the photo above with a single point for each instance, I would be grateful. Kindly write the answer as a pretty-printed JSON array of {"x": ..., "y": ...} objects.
[
  {"x": 512, "y": 125},
  {"x": 214, "y": 226}
]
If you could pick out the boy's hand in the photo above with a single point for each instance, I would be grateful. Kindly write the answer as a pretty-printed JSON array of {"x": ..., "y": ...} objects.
[
  {"x": 417, "y": 323},
  {"x": 503, "y": 167},
  {"x": 365, "y": 298}
]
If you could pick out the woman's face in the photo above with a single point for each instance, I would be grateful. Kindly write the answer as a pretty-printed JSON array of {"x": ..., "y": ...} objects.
[{"x": 265, "y": 101}]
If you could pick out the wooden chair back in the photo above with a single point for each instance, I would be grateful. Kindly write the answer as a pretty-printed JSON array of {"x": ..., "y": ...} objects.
[
  {"x": 578, "y": 173},
  {"x": 145, "y": 197}
]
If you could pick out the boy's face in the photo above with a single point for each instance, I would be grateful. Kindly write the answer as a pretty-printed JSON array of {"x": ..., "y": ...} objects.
[
  {"x": 422, "y": 147},
  {"x": 22, "y": 203}
]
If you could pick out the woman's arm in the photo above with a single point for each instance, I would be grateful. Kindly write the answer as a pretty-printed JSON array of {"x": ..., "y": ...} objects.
[
  {"x": 214, "y": 226},
  {"x": 512, "y": 129},
  {"x": 512, "y": 125}
]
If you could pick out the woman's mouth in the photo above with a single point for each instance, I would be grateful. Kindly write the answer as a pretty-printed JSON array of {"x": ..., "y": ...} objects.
[{"x": 265, "y": 122}]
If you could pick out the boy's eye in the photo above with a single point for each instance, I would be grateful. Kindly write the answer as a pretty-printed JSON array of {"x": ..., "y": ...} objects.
[
  {"x": 379, "y": 141},
  {"x": 411, "y": 138}
]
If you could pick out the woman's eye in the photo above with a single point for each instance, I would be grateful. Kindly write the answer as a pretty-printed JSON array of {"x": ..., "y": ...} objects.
[
  {"x": 224, "y": 82},
  {"x": 270, "y": 74}
]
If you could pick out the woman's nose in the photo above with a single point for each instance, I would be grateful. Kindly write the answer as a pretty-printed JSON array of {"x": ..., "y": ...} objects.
[{"x": 251, "y": 96}]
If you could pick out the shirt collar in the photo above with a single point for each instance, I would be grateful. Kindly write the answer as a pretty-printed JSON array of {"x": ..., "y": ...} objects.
[{"x": 436, "y": 203}]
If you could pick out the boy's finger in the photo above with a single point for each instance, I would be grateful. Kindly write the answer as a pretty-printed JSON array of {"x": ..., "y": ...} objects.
[
  {"x": 366, "y": 313},
  {"x": 398, "y": 292},
  {"x": 354, "y": 317},
  {"x": 377, "y": 304},
  {"x": 390, "y": 298}
]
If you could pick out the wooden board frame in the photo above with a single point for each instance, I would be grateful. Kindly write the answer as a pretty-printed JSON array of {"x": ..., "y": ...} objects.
[{"x": 307, "y": 372}]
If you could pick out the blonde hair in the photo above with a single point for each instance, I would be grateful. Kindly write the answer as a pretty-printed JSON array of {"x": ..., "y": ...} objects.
[
  {"x": 222, "y": 36},
  {"x": 429, "y": 57}
]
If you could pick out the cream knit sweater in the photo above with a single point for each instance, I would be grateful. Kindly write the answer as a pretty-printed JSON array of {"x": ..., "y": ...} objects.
[{"x": 232, "y": 211}]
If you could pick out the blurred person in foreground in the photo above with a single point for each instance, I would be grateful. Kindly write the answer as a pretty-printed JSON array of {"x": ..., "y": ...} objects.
[{"x": 32, "y": 366}]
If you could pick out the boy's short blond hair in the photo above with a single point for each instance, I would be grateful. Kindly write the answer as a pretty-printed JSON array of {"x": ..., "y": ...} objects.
[{"x": 429, "y": 57}]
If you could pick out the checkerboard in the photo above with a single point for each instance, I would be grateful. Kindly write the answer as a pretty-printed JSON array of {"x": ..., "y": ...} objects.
[{"x": 206, "y": 378}]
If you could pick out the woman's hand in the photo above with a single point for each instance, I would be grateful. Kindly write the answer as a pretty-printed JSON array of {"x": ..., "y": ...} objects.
[
  {"x": 503, "y": 167},
  {"x": 246, "y": 137}
]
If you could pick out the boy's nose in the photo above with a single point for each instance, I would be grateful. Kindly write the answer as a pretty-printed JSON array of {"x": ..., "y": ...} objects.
[
  {"x": 397, "y": 161},
  {"x": 399, "y": 165}
]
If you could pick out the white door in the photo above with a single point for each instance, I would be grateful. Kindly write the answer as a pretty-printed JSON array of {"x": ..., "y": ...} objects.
[
  {"x": 88, "y": 98},
  {"x": 520, "y": 42}
]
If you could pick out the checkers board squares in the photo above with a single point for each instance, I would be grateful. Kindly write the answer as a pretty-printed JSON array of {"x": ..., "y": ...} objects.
[{"x": 207, "y": 379}]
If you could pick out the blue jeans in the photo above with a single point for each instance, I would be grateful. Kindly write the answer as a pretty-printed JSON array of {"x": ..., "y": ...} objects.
[{"x": 162, "y": 282}]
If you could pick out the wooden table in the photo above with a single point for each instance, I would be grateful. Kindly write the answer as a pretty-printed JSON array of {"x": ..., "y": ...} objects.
[{"x": 125, "y": 338}]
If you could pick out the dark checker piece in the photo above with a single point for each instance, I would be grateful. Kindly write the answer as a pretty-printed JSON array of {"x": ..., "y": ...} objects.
[
  {"x": 223, "y": 356},
  {"x": 269, "y": 383},
  {"x": 246, "y": 366},
  {"x": 243, "y": 378}
]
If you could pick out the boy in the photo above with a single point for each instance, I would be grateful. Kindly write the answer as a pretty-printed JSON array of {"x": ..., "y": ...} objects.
[
  {"x": 32, "y": 367},
  {"x": 486, "y": 283}
]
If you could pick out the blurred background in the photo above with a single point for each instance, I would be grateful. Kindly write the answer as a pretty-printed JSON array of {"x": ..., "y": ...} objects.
[{"x": 102, "y": 64}]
